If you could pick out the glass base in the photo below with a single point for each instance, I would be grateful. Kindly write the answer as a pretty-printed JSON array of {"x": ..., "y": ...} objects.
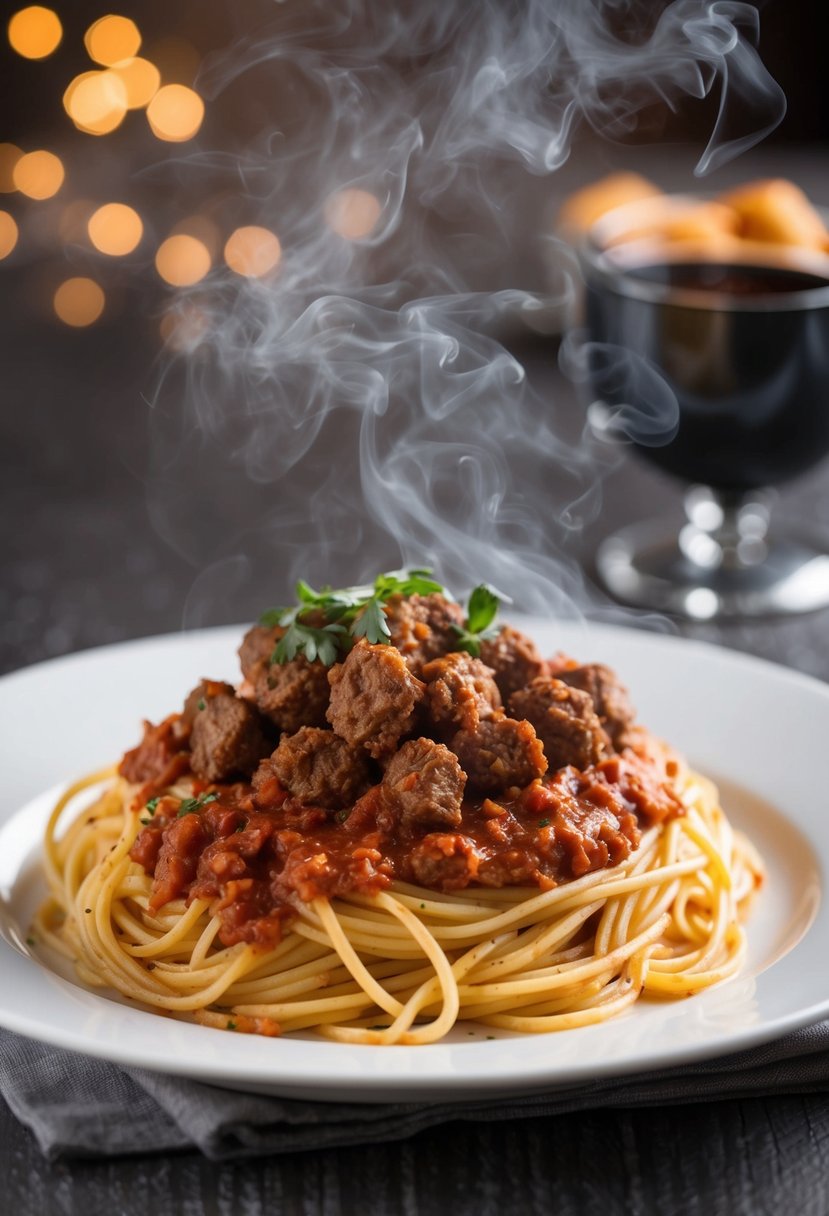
[{"x": 649, "y": 568}]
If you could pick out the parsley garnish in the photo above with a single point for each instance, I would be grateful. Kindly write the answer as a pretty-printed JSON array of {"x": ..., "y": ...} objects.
[
  {"x": 230, "y": 1026},
  {"x": 480, "y": 617},
  {"x": 152, "y": 806},
  {"x": 201, "y": 703},
  {"x": 189, "y": 806},
  {"x": 322, "y": 623},
  {"x": 543, "y": 823}
]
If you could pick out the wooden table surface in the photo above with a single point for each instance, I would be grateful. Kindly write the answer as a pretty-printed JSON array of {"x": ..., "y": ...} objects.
[{"x": 86, "y": 562}]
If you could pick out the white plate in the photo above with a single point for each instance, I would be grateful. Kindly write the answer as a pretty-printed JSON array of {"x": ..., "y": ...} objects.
[{"x": 761, "y": 731}]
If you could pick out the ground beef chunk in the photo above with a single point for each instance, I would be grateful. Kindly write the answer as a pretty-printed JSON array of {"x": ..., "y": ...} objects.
[
  {"x": 199, "y": 697},
  {"x": 227, "y": 739},
  {"x": 257, "y": 647},
  {"x": 290, "y": 695},
  {"x": 565, "y": 721},
  {"x": 514, "y": 659},
  {"x": 424, "y": 784},
  {"x": 373, "y": 698},
  {"x": 159, "y": 757},
  {"x": 423, "y": 627},
  {"x": 460, "y": 691},
  {"x": 500, "y": 754},
  {"x": 610, "y": 697},
  {"x": 321, "y": 769},
  {"x": 445, "y": 861}
]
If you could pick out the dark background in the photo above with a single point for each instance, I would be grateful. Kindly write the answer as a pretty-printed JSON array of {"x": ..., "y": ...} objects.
[{"x": 90, "y": 554}]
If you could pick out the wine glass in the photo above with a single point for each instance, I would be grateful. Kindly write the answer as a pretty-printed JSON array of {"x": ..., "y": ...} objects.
[{"x": 740, "y": 348}]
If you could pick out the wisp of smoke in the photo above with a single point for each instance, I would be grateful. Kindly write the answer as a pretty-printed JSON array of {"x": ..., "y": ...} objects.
[{"x": 360, "y": 386}]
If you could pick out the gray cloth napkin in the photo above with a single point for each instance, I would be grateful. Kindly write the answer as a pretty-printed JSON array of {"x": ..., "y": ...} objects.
[{"x": 77, "y": 1106}]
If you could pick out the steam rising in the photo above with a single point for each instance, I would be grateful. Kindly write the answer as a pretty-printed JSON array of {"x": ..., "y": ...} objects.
[{"x": 360, "y": 387}]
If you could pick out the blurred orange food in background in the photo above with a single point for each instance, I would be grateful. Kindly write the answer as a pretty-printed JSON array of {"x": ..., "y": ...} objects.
[{"x": 762, "y": 213}]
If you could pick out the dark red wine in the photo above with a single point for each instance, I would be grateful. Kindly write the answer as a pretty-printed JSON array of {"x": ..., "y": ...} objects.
[
  {"x": 736, "y": 280},
  {"x": 748, "y": 363}
]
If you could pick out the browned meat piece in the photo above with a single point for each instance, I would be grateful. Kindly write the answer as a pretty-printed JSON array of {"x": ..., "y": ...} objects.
[
  {"x": 424, "y": 784},
  {"x": 565, "y": 721},
  {"x": 445, "y": 861},
  {"x": 422, "y": 627},
  {"x": 199, "y": 697},
  {"x": 460, "y": 691},
  {"x": 514, "y": 659},
  {"x": 320, "y": 769},
  {"x": 373, "y": 698},
  {"x": 293, "y": 694},
  {"x": 160, "y": 756},
  {"x": 257, "y": 647},
  {"x": 500, "y": 754},
  {"x": 290, "y": 694},
  {"x": 610, "y": 697},
  {"x": 227, "y": 739}
]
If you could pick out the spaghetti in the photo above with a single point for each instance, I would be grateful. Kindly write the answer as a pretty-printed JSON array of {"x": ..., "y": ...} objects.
[{"x": 403, "y": 964}]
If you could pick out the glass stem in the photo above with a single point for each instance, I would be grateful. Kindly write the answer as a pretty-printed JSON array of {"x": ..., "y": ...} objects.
[{"x": 726, "y": 529}]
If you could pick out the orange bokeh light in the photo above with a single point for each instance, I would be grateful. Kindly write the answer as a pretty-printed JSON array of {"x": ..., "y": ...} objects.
[
  {"x": 175, "y": 113},
  {"x": 79, "y": 302},
  {"x": 141, "y": 80},
  {"x": 96, "y": 102},
  {"x": 182, "y": 260},
  {"x": 115, "y": 229},
  {"x": 35, "y": 32},
  {"x": 252, "y": 251},
  {"x": 10, "y": 154},
  {"x": 111, "y": 39},
  {"x": 8, "y": 234},
  {"x": 38, "y": 174},
  {"x": 353, "y": 213}
]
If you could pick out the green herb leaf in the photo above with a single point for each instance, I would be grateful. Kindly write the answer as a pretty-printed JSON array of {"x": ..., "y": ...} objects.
[
  {"x": 231, "y": 1026},
  {"x": 343, "y": 614},
  {"x": 544, "y": 823},
  {"x": 480, "y": 626},
  {"x": 482, "y": 608},
  {"x": 190, "y": 806},
  {"x": 201, "y": 703},
  {"x": 153, "y": 803},
  {"x": 371, "y": 623}
]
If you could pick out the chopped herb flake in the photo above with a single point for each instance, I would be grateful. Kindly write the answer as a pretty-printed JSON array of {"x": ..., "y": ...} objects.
[
  {"x": 543, "y": 823},
  {"x": 31, "y": 941},
  {"x": 201, "y": 703},
  {"x": 231, "y": 1026},
  {"x": 153, "y": 804},
  {"x": 189, "y": 806}
]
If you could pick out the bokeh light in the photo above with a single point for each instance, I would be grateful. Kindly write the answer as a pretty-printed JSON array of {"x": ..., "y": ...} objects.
[
  {"x": 141, "y": 80},
  {"x": 8, "y": 234},
  {"x": 111, "y": 39},
  {"x": 182, "y": 260},
  {"x": 353, "y": 213},
  {"x": 96, "y": 102},
  {"x": 10, "y": 154},
  {"x": 175, "y": 113},
  {"x": 35, "y": 32},
  {"x": 79, "y": 302},
  {"x": 115, "y": 229},
  {"x": 252, "y": 251},
  {"x": 38, "y": 174}
]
